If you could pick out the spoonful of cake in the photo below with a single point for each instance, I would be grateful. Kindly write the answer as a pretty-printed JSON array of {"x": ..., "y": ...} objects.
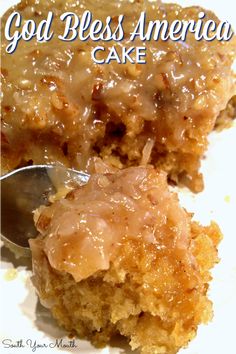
[{"x": 24, "y": 190}]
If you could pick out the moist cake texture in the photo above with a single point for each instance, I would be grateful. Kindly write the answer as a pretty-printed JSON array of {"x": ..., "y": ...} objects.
[
  {"x": 120, "y": 256},
  {"x": 58, "y": 105}
]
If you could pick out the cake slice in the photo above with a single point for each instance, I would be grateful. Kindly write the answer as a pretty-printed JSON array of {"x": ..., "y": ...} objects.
[
  {"x": 59, "y": 105},
  {"x": 120, "y": 256}
]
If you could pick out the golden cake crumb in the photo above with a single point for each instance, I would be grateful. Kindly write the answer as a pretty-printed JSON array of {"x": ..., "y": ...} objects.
[
  {"x": 58, "y": 105},
  {"x": 119, "y": 255},
  {"x": 10, "y": 274}
]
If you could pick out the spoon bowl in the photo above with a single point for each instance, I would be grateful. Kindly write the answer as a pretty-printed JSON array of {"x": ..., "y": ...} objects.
[{"x": 24, "y": 190}]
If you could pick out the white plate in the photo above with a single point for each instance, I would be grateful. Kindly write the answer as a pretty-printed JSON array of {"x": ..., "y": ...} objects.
[{"x": 24, "y": 319}]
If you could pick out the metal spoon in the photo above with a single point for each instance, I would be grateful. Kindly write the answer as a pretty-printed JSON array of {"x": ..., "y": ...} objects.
[{"x": 23, "y": 191}]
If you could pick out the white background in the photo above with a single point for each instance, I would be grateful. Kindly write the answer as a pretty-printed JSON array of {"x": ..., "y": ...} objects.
[{"x": 23, "y": 318}]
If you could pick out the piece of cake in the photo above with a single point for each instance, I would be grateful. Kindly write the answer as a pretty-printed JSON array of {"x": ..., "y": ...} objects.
[
  {"x": 58, "y": 105},
  {"x": 119, "y": 255}
]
